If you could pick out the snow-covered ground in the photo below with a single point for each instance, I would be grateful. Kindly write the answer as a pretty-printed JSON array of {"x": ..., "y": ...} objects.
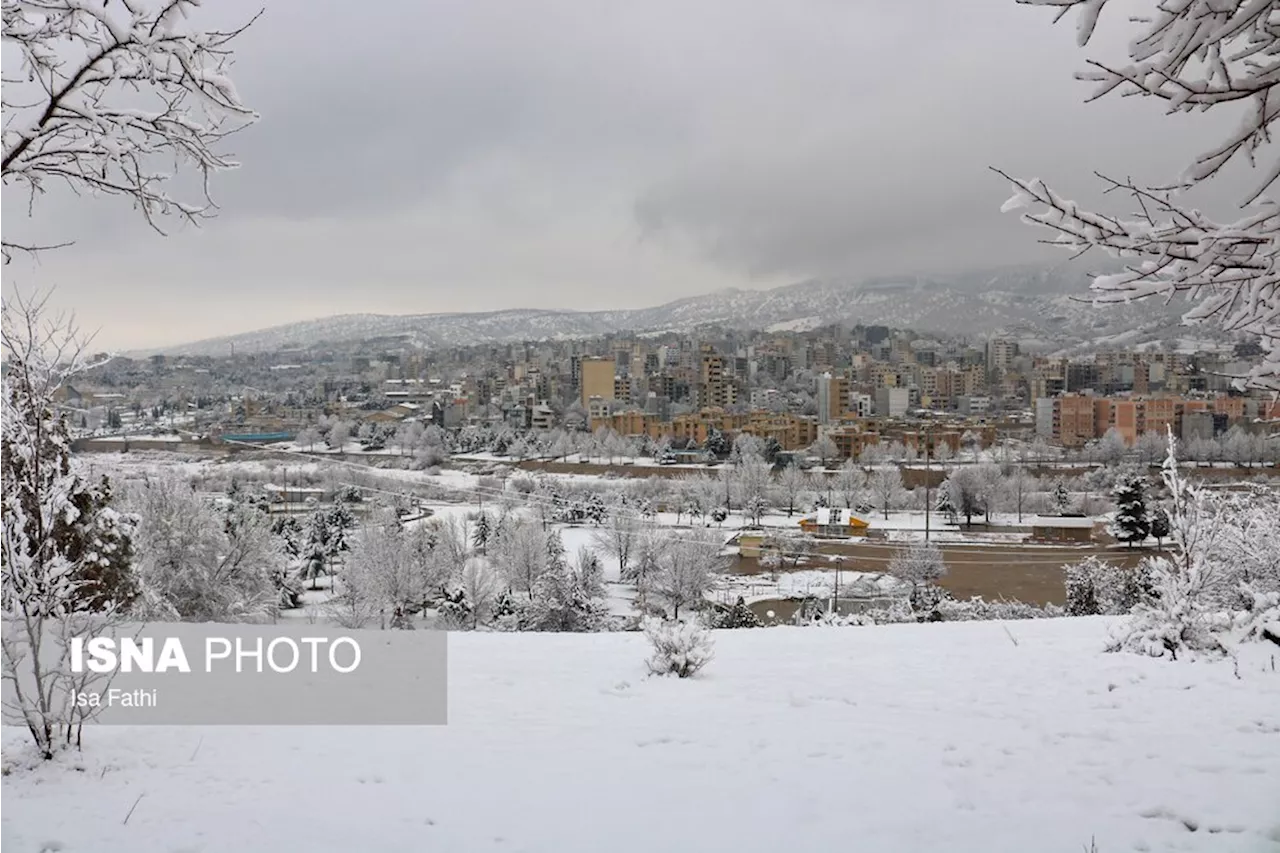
[{"x": 897, "y": 738}]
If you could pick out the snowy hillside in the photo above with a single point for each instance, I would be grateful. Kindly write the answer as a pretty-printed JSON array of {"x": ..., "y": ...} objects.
[
  {"x": 1030, "y": 302},
  {"x": 965, "y": 737}
]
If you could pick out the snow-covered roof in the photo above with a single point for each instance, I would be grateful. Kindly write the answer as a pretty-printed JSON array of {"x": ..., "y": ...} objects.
[{"x": 1061, "y": 521}]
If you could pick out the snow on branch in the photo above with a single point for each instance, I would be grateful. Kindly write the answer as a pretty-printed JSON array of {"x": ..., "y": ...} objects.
[
  {"x": 107, "y": 94},
  {"x": 1193, "y": 55}
]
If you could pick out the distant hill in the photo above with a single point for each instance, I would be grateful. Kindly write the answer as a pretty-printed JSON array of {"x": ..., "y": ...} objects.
[{"x": 1047, "y": 304}]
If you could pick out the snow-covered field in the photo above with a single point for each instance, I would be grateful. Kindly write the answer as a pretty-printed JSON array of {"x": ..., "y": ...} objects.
[{"x": 980, "y": 737}]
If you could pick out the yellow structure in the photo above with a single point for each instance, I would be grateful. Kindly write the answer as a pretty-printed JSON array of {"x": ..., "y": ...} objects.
[
  {"x": 597, "y": 379},
  {"x": 834, "y": 522}
]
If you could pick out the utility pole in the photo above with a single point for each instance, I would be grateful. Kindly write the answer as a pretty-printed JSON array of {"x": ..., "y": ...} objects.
[
  {"x": 835, "y": 598},
  {"x": 928, "y": 480}
]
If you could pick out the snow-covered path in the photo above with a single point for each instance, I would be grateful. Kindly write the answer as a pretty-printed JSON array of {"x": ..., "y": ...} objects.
[{"x": 895, "y": 738}]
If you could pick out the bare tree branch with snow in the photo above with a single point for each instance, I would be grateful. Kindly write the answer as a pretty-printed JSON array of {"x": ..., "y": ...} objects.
[
  {"x": 109, "y": 98},
  {"x": 1193, "y": 55}
]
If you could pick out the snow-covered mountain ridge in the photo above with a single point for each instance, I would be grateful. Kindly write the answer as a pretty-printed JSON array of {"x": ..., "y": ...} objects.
[{"x": 1045, "y": 303}]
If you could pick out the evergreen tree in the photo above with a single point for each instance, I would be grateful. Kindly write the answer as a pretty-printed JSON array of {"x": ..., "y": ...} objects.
[
  {"x": 454, "y": 608},
  {"x": 565, "y": 600},
  {"x": 739, "y": 616},
  {"x": 481, "y": 535},
  {"x": 944, "y": 504},
  {"x": 1132, "y": 521},
  {"x": 100, "y": 541},
  {"x": 555, "y": 552},
  {"x": 1160, "y": 525},
  {"x": 1082, "y": 592},
  {"x": 315, "y": 549},
  {"x": 339, "y": 521},
  {"x": 717, "y": 444},
  {"x": 289, "y": 531}
]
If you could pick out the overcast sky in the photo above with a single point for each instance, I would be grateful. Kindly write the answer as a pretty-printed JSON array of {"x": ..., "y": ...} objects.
[{"x": 418, "y": 156}]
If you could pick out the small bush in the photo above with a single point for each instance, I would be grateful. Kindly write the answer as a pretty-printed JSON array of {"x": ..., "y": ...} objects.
[{"x": 682, "y": 648}]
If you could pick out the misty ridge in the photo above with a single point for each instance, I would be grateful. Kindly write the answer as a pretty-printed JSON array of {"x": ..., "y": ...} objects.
[{"x": 1047, "y": 303}]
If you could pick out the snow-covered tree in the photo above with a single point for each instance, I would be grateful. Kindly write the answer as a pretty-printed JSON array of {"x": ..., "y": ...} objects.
[
  {"x": 1132, "y": 522},
  {"x": 307, "y": 439},
  {"x": 791, "y": 483},
  {"x": 717, "y": 444},
  {"x": 384, "y": 580},
  {"x": 338, "y": 436},
  {"x": 885, "y": 485},
  {"x": 193, "y": 565},
  {"x": 647, "y": 549},
  {"x": 339, "y": 522},
  {"x": 1150, "y": 447},
  {"x": 316, "y": 547},
  {"x": 738, "y": 616},
  {"x": 480, "y": 583},
  {"x": 65, "y": 568},
  {"x": 964, "y": 490},
  {"x": 1193, "y": 56},
  {"x": 786, "y": 548},
  {"x": 921, "y": 565},
  {"x": 481, "y": 534},
  {"x": 873, "y": 455},
  {"x": 754, "y": 478},
  {"x": 849, "y": 482},
  {"x": 1159, "y": 525},
  {"x": 755, "y": 508},
  {"x": 109, "y": 94},
  {"x": 991, "y": 483},
  {"x": 565, "y": 597},
  {"x": 685, "y": 568},
  {"x": 824, "y": 448},
  {"x": 1060, "y": 497},
  {"x": 1018, "y": 486},
  {"x": 746, "y": 446},
  {"x": 521, "y": 554},
  {"x": 1205, "y": 595},
  {"x": 1110, "y": 449},
  {"x": 617, "y": 538},
  {"x": 1095, "y": 586}
]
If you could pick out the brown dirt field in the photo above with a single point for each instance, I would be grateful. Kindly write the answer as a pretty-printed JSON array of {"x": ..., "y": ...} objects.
[{"x": 1028, "y": 573}]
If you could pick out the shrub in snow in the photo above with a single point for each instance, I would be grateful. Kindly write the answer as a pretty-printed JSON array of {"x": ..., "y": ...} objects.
[
  {"x": 920, "y": 565},
  {"x": 1095, "y": 586},
  {"x": 979, "y": 609},
  {"x": 946, "y": 610},
  {"x": 681, "y": 648}
]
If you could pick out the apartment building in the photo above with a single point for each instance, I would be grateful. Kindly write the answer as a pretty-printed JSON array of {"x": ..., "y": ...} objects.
[{"x": 597, "y": 379}]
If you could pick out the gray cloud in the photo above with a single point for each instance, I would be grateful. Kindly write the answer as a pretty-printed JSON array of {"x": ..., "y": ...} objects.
[{"x": 471, "y": 155}]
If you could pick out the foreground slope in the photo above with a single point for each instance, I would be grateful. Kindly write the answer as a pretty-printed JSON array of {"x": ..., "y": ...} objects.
[{"x": 983, "y": 737}]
